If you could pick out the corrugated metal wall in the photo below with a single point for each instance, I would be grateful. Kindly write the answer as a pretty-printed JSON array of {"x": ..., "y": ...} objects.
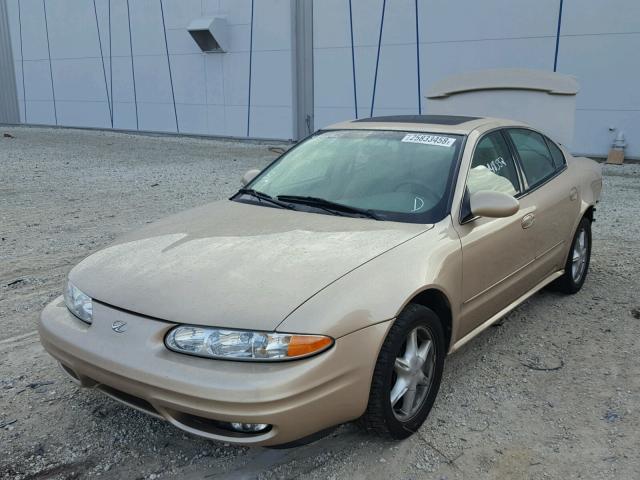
[
  {"x": 378, "y": 56},
  {"x": 131, "y": 64},
  {"x": 9, "y": 112}
]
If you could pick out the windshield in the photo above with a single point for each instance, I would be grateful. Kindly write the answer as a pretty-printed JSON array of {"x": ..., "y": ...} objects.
[{"x": 401, "y": 176}]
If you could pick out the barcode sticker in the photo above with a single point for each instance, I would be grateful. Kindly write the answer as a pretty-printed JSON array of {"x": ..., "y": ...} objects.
[{"x": 429, "y": 139}]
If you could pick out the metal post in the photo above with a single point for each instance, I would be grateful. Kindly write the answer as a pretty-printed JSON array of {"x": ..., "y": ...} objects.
[
  {"x": 9, "y": 109},
  {"x": 302, "y": 53}
]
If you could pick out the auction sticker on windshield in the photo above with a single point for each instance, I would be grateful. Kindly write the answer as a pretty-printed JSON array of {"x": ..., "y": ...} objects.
[{"x": 429, "y": 139}]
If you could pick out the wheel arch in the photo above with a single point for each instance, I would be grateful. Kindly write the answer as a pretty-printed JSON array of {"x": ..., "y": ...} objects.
[
  {"x": 590, "y": 212},
  {"x": 436, "y": 300}
]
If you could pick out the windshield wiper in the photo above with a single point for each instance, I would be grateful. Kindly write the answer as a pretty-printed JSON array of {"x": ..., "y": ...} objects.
[
  {"x": 263, "y": 197},
  {"x": 328, "y": 205}
]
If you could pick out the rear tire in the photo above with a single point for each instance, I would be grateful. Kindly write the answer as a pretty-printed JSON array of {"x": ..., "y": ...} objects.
[
  {"x": 411, "y": 360},
  {"x": 577, "y": 265}
]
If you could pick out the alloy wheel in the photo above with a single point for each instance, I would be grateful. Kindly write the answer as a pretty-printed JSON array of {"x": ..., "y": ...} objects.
[
  {"x": 580, "y": 255},
  {"x": 413, "y": 374}
]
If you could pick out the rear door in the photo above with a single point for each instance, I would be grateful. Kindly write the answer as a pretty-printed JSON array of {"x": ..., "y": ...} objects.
[{"x": 549, "y": 187}]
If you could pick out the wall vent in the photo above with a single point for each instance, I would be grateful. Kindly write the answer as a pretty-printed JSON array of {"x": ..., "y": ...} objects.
[{"x": 210, "y": 33}]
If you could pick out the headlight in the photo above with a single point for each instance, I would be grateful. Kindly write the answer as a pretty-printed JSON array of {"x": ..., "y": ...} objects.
[
  {"x": 244, "y": 345},
  {"x": 78, "y": 303}
]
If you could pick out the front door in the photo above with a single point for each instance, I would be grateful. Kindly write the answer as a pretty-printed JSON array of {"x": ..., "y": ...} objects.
[{"x": 496, "y": 252}]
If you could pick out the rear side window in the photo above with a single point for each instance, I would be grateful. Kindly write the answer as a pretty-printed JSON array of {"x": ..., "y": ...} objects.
[
  {"x": 556, "y": 153},
  {"x": 537, "y": 163}
]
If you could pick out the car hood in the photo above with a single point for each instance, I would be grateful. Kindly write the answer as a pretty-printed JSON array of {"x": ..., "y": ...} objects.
[{"x": 232, "y": 264}]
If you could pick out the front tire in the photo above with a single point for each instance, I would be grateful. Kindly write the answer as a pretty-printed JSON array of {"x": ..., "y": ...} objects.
[
  {"x": 577, "y": 265},
  {"x": 407, "y": 375}
]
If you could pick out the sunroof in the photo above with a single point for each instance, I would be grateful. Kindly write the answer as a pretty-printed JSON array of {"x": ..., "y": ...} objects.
[{"x": 434, "y": 119}]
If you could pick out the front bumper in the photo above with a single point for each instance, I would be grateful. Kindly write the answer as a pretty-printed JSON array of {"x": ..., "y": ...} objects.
[{"x": 297, "y": 398}]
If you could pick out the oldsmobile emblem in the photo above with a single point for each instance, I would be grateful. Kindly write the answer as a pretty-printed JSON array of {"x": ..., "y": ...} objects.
[{"x": 119, "y": 327}]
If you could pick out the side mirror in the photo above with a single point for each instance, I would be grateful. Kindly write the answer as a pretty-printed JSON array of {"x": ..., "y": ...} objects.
[
  {"x": 486, "y": 203},
  {"x": 250, "y": 175}
]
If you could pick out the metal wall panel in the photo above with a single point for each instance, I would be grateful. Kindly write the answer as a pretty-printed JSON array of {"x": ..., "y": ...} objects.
[
  {"x": 374, "y": 56},
  {"x": 9, "y": 110},
  {"x": 132, "y": 65}
]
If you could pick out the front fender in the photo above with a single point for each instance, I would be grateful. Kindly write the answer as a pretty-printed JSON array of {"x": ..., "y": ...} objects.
[{"x": 378, "y": 290}]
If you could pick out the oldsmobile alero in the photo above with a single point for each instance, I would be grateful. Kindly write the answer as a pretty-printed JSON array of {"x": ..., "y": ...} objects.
[{"x": 333, "y": 284}]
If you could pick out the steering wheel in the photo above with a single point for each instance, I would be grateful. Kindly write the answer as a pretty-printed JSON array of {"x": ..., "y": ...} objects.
[{"x": 423, "y": 188}]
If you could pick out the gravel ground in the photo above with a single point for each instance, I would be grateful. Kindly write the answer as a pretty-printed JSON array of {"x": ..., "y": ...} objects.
[{"x": 551, "y": 392}]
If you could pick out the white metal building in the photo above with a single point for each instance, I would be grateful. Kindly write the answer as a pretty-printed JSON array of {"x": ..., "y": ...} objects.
[{"x": 288, "y": 67}]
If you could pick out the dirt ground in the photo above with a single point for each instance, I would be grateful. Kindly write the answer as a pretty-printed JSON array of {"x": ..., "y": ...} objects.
[{"x": 553, "y": 391}]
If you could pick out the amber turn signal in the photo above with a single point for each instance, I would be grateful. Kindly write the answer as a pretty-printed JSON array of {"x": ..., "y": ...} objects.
[{"x": 303, "y": 345}]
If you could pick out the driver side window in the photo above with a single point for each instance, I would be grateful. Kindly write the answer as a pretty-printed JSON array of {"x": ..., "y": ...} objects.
[{"x": 492, "y": 167}]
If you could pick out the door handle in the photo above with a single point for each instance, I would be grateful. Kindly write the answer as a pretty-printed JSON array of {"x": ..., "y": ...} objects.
[{"x": 528, "y": 220}]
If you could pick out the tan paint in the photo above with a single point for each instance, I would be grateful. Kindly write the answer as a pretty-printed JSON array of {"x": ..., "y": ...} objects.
[
  {"x": 493, "y": 204},
  {"x": 232, "y": 264},
  {"x": 243, "y": 266},
  {"x": 281, "y": 394}
]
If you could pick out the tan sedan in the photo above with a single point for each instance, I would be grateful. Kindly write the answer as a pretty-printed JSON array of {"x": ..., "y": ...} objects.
[{"x": 332, "y": 286}]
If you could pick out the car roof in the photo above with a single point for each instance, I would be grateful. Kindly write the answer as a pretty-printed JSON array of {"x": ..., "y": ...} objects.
[{"x": 453, "y": 124}]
